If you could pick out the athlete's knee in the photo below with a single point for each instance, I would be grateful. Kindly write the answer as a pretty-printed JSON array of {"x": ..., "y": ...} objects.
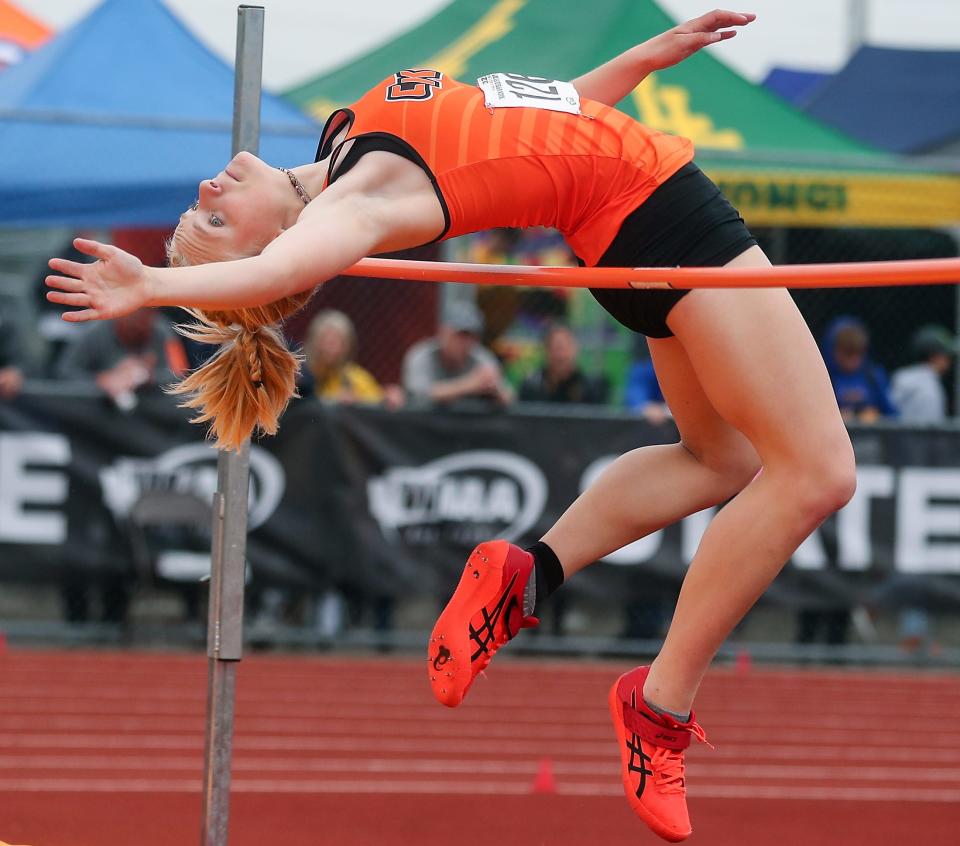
[
  {"x": 824, "y": 483},
  {"x": 839, "y": 482},
  {"x": 733, "y": 460}
]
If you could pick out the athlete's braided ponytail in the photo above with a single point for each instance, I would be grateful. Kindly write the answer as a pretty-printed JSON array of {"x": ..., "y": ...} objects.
[{"x": 244, "y": 387}]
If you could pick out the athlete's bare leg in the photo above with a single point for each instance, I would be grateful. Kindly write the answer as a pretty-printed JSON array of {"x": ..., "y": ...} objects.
[
  {"x": 654, "y": 486},
  {"x": 761, "y": 370},
  {"x": 742, "y": 376}
]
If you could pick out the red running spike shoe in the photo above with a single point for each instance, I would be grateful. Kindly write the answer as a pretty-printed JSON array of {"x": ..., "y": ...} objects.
[
  {"x": 651, "y": 757},
  {"x": 491, "y": 604}
]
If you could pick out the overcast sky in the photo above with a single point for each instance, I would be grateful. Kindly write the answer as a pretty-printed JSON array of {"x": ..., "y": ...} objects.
[{"x": 305, "y": 37}]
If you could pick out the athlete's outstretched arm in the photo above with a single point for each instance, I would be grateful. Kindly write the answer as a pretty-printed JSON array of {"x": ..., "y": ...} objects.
[
  {"x": 613, "y": 81},
  {"x": 331, "y": 238}
]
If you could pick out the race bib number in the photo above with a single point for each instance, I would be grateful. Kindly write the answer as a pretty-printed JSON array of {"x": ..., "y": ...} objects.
[{"x": 510, "y": 90}]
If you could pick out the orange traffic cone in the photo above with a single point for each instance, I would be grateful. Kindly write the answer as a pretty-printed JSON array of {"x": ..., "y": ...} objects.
[{"x": 545, "y": 782}]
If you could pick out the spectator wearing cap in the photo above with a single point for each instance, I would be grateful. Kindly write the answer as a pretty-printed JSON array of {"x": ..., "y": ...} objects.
[
  {"x": 561, "y": 379},
  {"x": 921, "y": 397},
  {"x": 918, "y": 389},
  {"x": 454, "y": 366},
  {"x": 861, "y": 385}
]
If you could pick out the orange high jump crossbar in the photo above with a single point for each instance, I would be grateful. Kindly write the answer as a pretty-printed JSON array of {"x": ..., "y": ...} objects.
[{"x": 847, "y": 275}]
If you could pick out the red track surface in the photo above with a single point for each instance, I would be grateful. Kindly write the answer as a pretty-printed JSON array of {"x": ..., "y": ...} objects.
[{"x": 106, "y": 750}]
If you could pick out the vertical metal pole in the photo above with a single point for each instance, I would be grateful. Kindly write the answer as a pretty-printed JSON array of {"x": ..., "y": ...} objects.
[
  {"x": 228, "y": 553},
  {"x": 858, "y": 14}
]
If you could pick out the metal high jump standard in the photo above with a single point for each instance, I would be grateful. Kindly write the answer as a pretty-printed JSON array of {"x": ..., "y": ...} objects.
[{"x": 228, "y": 552}]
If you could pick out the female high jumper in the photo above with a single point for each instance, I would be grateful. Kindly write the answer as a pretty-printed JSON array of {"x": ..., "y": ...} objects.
[{"x": 422, "y": 157}]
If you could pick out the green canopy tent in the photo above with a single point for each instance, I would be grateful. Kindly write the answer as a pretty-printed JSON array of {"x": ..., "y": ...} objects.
[{"x": 780, "y": 167}]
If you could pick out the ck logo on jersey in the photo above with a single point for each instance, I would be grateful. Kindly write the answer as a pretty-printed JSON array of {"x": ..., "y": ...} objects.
[{"x": 415, "y": 84}]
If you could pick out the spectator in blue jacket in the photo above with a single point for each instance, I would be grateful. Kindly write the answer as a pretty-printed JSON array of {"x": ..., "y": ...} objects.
[
  {"x": 642, "y": 394},
  {"x": 861, "y": 385}
]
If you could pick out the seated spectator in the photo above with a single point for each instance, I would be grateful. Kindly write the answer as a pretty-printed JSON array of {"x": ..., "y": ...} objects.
[
  {"x": 13, "y": 357},
  {"x": 454, "y": 366},
  {"x": 561, "y": 379},
  {"x": 921, "y": 397},
  {"x": 918, "y": 390},
  {"x": 123, "y": 355},
  {"x": 861, "y": 385},
  {"x": 329, "y": 349},
  {"x": 643, "y": 395},
  {"x": 137, "y": 351}
]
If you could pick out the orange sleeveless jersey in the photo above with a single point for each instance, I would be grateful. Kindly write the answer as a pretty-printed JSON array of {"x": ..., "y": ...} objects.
[{"x": 582, "y": 174}]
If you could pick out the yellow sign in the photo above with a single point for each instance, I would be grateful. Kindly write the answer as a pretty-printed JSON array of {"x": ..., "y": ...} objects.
[
  {"x": 491, "y": 27},
  {"x": 667, "y": 108},
  {"x": 321, "y": 109},
  {"x": 784, "y": 198},
  {"x": 452, "y": 60}
]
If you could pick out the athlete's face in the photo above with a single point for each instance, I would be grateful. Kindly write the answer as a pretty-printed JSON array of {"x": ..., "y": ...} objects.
[{"x": 237, "y": 213}]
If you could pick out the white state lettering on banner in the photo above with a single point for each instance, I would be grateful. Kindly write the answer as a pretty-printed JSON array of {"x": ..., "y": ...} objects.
[
  {"x": 810, "y": 555},
  {"x": 633, "y": 553},
  {"x": 855, "y": 544},
  {"x": 637, "y": 552},
  {"x": 693, "y": 528},
  {"x": 22, "y": 485},
  {"x": 928, "y": 521}
]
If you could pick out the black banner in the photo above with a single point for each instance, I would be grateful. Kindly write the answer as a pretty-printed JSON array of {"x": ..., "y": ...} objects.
[{"x": 391, "y": 502}]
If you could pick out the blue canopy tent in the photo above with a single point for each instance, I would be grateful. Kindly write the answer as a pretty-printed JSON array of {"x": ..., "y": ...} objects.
[
  {"x": 902, "y": 101},
  {"x": 115, "y": 121},
  {"x": 794, "y": 85}
]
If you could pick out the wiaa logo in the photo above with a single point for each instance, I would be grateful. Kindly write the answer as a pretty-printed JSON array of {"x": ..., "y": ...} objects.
[
  {"x": 461, "y": 498},
  {"x": 191, "y": 470}
]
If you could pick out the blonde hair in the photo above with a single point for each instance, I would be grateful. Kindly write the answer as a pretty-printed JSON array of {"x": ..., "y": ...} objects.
[
  {"x": 245, "y": 386},
  {"x": 330, "y": 319}
]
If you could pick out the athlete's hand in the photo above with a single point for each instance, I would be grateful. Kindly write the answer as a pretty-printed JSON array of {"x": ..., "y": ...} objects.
[
  {"x": 684, "y": 40},
  {"x": 112, "y": 286}
]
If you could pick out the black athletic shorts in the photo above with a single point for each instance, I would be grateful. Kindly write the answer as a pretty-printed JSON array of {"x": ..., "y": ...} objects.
[{"x": 686, "y": 222}]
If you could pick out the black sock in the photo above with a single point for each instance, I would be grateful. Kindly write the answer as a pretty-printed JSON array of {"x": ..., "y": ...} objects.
[
  {"x": 680, "y": 718},
  {"x": 549, "y": 573}
]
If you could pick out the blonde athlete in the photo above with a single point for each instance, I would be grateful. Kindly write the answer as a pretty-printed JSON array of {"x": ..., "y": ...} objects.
[{"x": 423, "y": 157}]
